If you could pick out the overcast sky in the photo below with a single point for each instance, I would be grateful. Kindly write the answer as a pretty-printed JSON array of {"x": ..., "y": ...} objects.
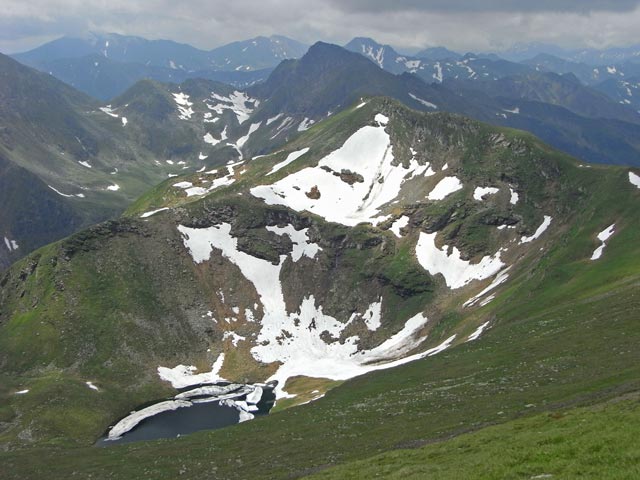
[{"x": 478, "y": 25}]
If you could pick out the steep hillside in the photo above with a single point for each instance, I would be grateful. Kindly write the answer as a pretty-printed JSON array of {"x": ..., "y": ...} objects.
[
  {"x": 624, "y": 91},
  {"x": 32, "y": 214},
  {"x": 378, "y": 237},
  {"x": 52, "y": 146},
  {"x": 93, "y": 157}
]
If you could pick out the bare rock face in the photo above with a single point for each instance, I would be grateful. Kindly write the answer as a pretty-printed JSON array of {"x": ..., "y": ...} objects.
[{"x": 314, "y": 193}]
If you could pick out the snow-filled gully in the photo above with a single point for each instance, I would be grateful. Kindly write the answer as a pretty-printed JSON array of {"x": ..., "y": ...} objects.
[{"x": 303, "y": 352}]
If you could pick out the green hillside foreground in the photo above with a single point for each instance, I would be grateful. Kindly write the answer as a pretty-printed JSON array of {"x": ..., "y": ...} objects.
[
  {"x": 594, "y": 442},
  {"x": 563, "y": 334}
]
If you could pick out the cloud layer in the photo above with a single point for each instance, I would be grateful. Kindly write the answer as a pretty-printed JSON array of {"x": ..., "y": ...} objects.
[{"x": 458, "y": 24}]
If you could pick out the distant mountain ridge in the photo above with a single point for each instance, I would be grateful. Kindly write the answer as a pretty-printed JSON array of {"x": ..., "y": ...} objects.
[
  {"x": 253, "y": 54},
  {"x": 105, "y": 65}
]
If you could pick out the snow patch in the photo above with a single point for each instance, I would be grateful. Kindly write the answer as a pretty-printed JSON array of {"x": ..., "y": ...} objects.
[
  {"x": 273, "y": 119},
  {"x": 184, "y": 105},
  {"x": 456, "y": 271},
  {"x": 11, "y": 245},
  {"x": 235, "y": 338},
  {"x": 398, "y": 225},
  {"x": 236, "y": 102},
  {"x": 350, "y": 185},
  {"x": 501, "y": 277},
  {"x": 514, "y": 197},
  {"x": 292, "y": 157},
  {"x": 475, "y": 335},
  {"x": 538, "y": 233},
  {"x": 242, "y": 140},
  {"x": 183, "y": 376},
  {"x": 153, "y": 212},
  {"x": 300, "y": 239},
  {"x": 603, "y": 236},
  {"x": 92, "y": 386},
  {"x": 424, "y": 102},
  {"x": 480, "y": 192},
  {"x": 438, "y": 72},
  {"x": 305, "y": 124},
  {"x": 208, "y": 138},
  {"x": 445, "y": 187},
  {"x": 109, "y": 111}
]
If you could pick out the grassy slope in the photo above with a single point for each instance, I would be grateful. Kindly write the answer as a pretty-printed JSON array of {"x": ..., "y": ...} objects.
[{"x": 597, "y": 442}]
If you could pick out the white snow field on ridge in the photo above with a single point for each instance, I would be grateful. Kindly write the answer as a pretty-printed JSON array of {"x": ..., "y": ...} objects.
[
  {"x": 348, "y": 186},
  {"x": 236, "y": 102},
  {"x": 304, "y": 352}
]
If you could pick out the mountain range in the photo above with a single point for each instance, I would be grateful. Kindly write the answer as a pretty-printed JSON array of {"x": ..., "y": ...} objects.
[
  {"x": 110, "y": 154},
  {"x": 430, "y": 261}
]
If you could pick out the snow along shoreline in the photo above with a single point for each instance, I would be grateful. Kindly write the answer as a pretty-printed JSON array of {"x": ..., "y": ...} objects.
[{"x": 227, "y": 395}]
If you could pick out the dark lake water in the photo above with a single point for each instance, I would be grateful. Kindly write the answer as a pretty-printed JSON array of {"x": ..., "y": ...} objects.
[{"x": 200, "y": 416}]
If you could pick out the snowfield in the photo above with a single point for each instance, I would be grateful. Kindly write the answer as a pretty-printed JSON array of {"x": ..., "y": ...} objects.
[
  {"x": 183, "y": 376},
  {"x": 153, "y": 212},
  {"x": 475, "y": 335},
  {"x": 292, "y": 157},
  {"x": 236, "y": 102},
  {"x": 501, "y": 277},
  {"x": 398, "y": 225},
  {"x": 348, "y": 186},
  {"x": 302, "y": 351},
  {"x": 184, "y": 105},
  {"x": 538, "y": 233},
  {"x": 445, "y": 187},
  {"x": 456, "y": 271},
  {"x": 480, "y": 192}
]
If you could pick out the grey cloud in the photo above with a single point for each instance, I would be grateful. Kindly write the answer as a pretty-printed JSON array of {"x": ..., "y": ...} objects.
[
  {"x": 458, "y": 6},
  {"x": 462, "y": 25}
]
